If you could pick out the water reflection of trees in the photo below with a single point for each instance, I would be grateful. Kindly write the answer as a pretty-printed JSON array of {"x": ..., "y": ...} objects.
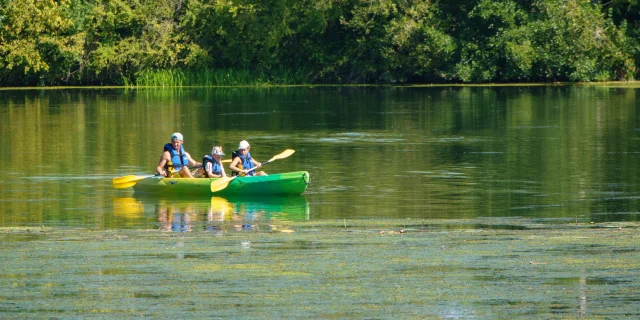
[{"x": 536, "y": 151}]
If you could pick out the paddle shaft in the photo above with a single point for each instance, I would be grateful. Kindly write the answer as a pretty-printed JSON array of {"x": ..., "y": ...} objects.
[
  {"x": 261, "y": 164},
  {"x": 254, "y": 168},
  {"x": 282, "y": 155}
]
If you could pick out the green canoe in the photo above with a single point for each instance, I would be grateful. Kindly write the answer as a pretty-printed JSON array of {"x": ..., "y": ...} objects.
[{"x": 290, "y": 183}]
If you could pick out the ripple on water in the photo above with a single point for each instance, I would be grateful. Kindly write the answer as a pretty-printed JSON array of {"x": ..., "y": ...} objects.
[
  {"x": 347, "y": 137},
  {"x": 599, "y": 281}
]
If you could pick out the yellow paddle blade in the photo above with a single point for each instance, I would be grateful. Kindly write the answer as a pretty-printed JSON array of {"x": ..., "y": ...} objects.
[
  {"x": 283, "y": 155},
  {"x": 125, "y": 184},
  {"x": 217, "y": 185},
  {"x": 127, "y": 181},
  {"x": 226, "y": 161}
]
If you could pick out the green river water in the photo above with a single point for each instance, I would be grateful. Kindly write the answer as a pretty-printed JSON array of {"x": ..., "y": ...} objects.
[{"x": 424, "y": 202}]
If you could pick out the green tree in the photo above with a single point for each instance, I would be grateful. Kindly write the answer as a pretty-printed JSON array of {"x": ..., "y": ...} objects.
[
  {"x": 575, "y": 41},
  {"x": 543, "y": 40},
  {"x": 327, "y": 41},
  {"x": 129, "y": 36},
  {"x": 39, "y": 42},
  {"x": 416, "y": 48},
  {"x": 240, "y": 34}
]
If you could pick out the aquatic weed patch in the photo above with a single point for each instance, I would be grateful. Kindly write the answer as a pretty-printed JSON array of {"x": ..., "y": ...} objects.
[{"x": 335, "y": 268}]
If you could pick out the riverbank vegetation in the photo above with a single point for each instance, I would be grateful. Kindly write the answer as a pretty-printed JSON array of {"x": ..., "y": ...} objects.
[{"x": 248, "y": 42}]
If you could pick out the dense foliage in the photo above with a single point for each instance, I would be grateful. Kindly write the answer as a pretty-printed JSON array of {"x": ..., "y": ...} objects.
[{"x": 208, "y": 42}]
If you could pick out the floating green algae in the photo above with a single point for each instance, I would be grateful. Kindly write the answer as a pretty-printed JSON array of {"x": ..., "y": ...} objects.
[{"x": 326, "y": 269}]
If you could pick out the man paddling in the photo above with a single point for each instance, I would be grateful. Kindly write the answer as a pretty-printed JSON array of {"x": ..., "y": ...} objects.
[{"x": 174, "y": 161}]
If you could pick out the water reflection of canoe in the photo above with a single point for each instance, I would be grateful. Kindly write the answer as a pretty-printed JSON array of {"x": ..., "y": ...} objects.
[
  {"x": 291, "y": 183},
  {"x": 225, "y": 208}
]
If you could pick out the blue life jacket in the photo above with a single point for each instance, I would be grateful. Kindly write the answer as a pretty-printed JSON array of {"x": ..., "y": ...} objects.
[
  {"x": 246, "y": 163},
  {"x": 216, "y": 167},
  {"x": 178, "y": 158}
]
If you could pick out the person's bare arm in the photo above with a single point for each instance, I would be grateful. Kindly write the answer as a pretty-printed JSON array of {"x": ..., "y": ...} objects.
[
  {"x": 192, "y": 162},
  {"x": 234, "y": 165},
  {"x": 164, "y": 158}
]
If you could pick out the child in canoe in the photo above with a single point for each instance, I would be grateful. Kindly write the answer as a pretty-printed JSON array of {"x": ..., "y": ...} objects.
[
  {"x": 212, "y": 164},
  {"x": 242, "y": 163}
]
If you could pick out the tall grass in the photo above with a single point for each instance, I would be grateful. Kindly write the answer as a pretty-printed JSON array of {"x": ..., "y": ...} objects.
[{"x": 218, "y": 77}]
